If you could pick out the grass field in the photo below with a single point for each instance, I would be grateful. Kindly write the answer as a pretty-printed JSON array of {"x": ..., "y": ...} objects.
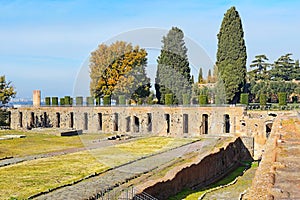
[
  {"x": 38, "y": 143},
  {"x": 25, "y": 179}
]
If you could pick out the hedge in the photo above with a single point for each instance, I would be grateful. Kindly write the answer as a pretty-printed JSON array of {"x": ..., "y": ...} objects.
[
  {"x": 79, "y": 101},
  {"x": 169, "y": 99},
  {"x": 244, "y": 98},
  {"x": 47, "y": 101},
  {"x": 203, "y": 99},
  {"x": 68, "y": 100},
  {"x": 122, "y": 100},
  {"x": 106, "y": 100},
  {"x": 62, "y": 101},
  {"x": 282, "y": 99},
  {"x": 186, "y": 99},
  {"x": 89, "y": 101},
  {"x": 98, "y": 101},
  {"x": 262, "y": 99},
  {"x": 54, "y": 101}
]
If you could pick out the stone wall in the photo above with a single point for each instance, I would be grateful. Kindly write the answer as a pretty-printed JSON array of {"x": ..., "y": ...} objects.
[
  {"x": 203, "y": 173},
  {"x": 175, "y": 121},
  {"x": 161, "y": 120}
]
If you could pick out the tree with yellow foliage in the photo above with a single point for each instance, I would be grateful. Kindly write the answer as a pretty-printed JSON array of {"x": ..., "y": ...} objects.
[{"x": 119, "y": 69}]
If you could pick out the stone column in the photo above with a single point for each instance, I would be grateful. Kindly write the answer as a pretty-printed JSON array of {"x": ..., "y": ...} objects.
[{"x": 36, "y": 98}]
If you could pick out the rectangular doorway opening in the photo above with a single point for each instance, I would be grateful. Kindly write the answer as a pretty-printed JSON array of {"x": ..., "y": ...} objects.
[
  {"x": 167, "y": 118},
  {"x": 185, "y": 123},
  {"x": 205, "y": 124}
]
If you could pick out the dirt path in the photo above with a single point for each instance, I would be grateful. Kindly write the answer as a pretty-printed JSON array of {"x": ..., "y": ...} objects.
[{"x": 121, "y": 174}]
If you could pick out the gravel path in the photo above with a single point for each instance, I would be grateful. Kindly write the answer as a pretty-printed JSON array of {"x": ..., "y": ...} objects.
[{"x": 119, "y": 175}]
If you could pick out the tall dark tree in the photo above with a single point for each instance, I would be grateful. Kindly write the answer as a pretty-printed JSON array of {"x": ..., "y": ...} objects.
[
  {"x": 231, "y": 55},
  {"x": 200, "y": 76},
  {"x": 209, "y": 77},
  {"x": 173, "y": 70}
]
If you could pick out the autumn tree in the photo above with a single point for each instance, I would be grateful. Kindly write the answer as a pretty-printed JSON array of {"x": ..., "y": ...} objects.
[
  {"x": 173, "y": 70},
  {"x": 231, "y": 55},
  {"x": 119, "y": 69}
]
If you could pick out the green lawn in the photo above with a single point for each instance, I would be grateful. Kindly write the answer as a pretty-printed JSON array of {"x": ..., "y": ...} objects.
[
  {"x": 27, "y": 178},
  {"x": 40, "y": 142}
]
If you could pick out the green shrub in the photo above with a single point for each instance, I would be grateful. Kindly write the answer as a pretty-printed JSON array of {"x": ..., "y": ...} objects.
[
  {"x": 150, "y": 100},
  {"x": 98, "y": 101},
  {"x": 68, "y": 100},
  {"x": 79, "y": 101},
  {"x": 54, "y": 101},
  {"x": 244, "y": 99},
  {"x": 169, "y": 99},
  {"x": 282, "y": 99},
  {"x": 122, "y": 100},
  {"x": 89, "y": 101},
  {"x": 262, "y": 99},
  {"x": 140, "y": 101},
  {"x": 203, "y": 99},
  {"x": 186, "y": 99},
  {"x": 62, "y": 101},
  {"x": 47, "y": 101},
  {"x": 106, "y": 100}
]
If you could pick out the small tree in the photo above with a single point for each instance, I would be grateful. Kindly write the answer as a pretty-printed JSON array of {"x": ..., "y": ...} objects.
[
  {"x": 203, "y": 100},
  {"x": 79, "y": 101},
  {"x": 106, "y": 100},
  {"x": 282, "y": 99},
  {"x": 90, "y": 101},
  {"x": 54, "y": 101},
  {"x": 62, "y": 101},
  {"x": 263, "y": 99},
  {"x": 68, "y": 101},
  {"x": 200, "y": 76},
  {"x": 186, "y": 99},
  {"x": 245, "y": 98},
  {"x": 47, "y": 101},
  {"x": 169, "y": 99},
  {"x": 122, "y": 100},
  {"x": 98, "y": 101}
]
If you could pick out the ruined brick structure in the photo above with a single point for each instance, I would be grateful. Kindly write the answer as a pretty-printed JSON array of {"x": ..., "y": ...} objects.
[{"x": 176, "y": 121}]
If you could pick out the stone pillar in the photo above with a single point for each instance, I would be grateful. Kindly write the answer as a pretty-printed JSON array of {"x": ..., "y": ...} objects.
[{"x": 36, "y": 98}]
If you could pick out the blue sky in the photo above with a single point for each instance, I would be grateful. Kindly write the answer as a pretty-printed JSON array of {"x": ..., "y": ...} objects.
[{"x": 45, "y": 43}]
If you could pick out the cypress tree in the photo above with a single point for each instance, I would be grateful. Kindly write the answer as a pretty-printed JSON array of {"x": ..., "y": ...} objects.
[
  {"x": 200, "y": 76},
  {"x": 231, "y": 55},
  {"x": 173, "y": 70},
  {"x": 209, "y": 76}
]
